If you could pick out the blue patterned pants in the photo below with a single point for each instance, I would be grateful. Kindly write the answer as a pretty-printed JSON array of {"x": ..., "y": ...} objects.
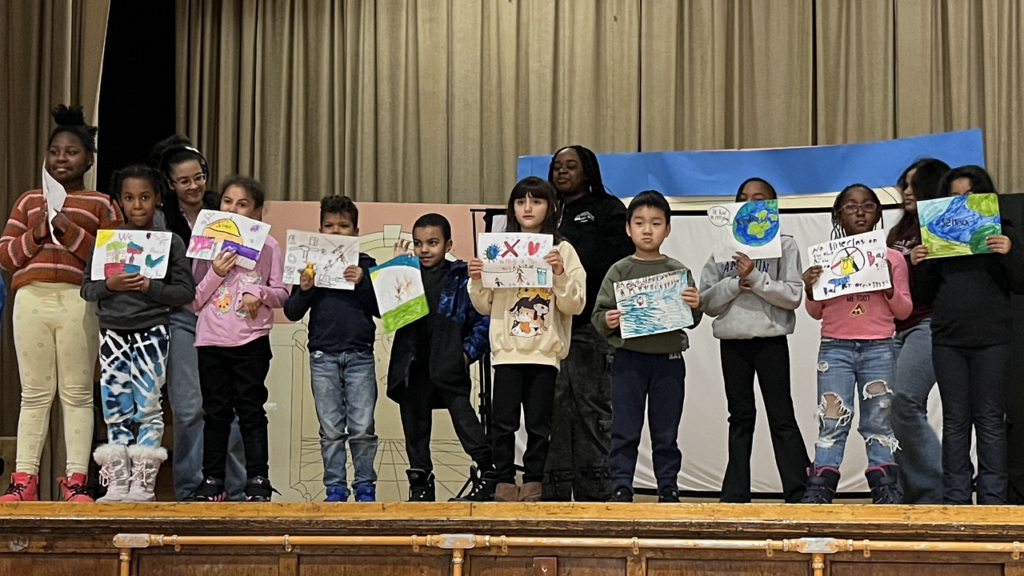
[{"x": 133, "y": 368}]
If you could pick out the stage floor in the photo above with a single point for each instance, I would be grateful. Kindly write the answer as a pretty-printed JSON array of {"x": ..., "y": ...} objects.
[{"x": 503, "y": 539}]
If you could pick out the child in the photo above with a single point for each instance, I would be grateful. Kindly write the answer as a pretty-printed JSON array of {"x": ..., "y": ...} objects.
[
  {"x": 754, "y": 302},
  {"x": 920, "y": 453},
  {"x": 430, "y": 360},
  {"x": 341, "y": 361},
  {"x": 648, "y": 369},
  {"x": 49, "y": 312},
  {"x": 134, "y": 314},
  {"x": 530, "y": 335},
  {"x": 972, "y": 343},
  {"x": 856, "y": 358},
  {"x": 235, "y": 308}
]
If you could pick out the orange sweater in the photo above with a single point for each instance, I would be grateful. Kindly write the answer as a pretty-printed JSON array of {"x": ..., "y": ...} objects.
[{"x": 45, "y": 261}]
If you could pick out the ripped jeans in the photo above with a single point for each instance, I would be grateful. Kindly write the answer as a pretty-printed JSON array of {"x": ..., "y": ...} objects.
[{"x": 849, "y": 369}]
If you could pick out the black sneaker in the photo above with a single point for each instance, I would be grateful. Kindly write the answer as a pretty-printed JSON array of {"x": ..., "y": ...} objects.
[
  {"x": 622, "y": 495},
  {"x": 821, "y": 485},
  {"x": 884, "y": 483},
  {"x": 258, "y": 489},
  {"x": 668, "y": 494},
  {"x": 421, "y": 485},
  {"x": 483, "y": 488},
  {"x": 209, "y": 490}
]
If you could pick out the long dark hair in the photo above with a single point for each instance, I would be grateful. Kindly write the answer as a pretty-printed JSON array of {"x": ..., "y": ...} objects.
[
  {"x": 981, "y": 182},
  {"x": 591, "y": 171},
  {"x": 837, "y": 226},
  {"x": 928, "y": 173},
  {"x": 535, "y": 187}
]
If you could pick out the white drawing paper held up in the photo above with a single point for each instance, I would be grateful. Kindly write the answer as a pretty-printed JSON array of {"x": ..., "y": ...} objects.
[
  {"x": 215, "y": 230},
  {"x": 653, "y": 304},
  {"x": 327, "y": 254},
  {"x": 515, "y": 260},
  {"x": 398, "y": 286},
  {"x": 748, "y": 227},
  {"x": 851, "y": 265},
  {"x": 131, "y": 251},
  {"x": 55, "y": 194}
]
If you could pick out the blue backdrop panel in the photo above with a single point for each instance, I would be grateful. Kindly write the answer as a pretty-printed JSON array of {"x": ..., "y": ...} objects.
[{"x": 806, "y": 170}]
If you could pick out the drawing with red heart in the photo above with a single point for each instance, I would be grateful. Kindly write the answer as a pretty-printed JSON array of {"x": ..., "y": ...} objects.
[{"x": 532, "y": 248}]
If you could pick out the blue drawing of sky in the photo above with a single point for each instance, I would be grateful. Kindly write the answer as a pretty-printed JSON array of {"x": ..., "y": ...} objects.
[{"x": 655, "y": 312}]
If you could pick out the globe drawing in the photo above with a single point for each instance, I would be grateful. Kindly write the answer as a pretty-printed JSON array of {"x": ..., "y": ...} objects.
[{"x": 756, "y": 223}]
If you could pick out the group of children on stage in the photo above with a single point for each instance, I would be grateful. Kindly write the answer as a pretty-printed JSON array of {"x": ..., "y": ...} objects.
[{"x": 873, "y": 344}]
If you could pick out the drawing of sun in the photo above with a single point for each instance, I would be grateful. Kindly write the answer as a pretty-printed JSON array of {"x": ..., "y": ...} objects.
[{"x": 223, "y": 229}]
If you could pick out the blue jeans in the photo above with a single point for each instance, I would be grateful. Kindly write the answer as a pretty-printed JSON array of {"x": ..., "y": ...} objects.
[
  {"x": 186, "y": 399},
  {"x": 920, "y": 453},
  {"x": 847, "y": 368},
  {"x": 345, "y": 394}
]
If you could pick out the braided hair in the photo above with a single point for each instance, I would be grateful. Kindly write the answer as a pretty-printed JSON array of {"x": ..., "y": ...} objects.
[
  {"x": 140, "y": 171},
  {"x": 591, "y": 170},
  {"x": 72, "y": 120},
  {"x": 837, "y": 206}
]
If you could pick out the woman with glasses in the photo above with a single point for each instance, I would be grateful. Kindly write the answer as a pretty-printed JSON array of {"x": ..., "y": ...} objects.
[
  {"x": 856, "y": 360},
  {"x": 187, "y": 174}
]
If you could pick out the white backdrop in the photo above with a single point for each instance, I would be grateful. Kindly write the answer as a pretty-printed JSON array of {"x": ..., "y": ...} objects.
[{"x": 704, "y": 432}]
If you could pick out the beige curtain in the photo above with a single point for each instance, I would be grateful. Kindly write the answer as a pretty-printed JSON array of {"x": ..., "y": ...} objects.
[
  {"x": 51, "y": 52},
  {"x": 433, "y": 100}
]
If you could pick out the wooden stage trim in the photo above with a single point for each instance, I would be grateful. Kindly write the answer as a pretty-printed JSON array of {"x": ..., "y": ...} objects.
[{"x": 457, "y": 539}]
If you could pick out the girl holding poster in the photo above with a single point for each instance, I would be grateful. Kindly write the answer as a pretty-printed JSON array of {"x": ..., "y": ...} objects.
[
  {"x": 856, "y": 358},
  {"x": 972, "y": 341},
  {"x": 530, "y": 335}
]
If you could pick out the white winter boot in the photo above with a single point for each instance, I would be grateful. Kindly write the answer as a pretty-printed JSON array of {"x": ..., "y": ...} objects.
[
  {"x": 114, "y": 471},
  {"x": 146, "y": 463}
]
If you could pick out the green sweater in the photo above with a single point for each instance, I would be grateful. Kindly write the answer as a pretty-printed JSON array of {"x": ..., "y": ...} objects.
[{"x": 630, "y": 268}]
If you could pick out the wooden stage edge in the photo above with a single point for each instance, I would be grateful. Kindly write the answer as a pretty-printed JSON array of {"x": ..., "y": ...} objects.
[{"x": 497, "y": 539}]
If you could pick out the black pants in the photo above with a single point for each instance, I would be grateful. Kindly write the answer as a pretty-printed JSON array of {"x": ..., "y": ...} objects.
[
  {"x": 971, "y": 388},
  {"x": 416, "y": 406},
  {"x": 233, "y": 383},
  {"x": 654, "y": 382},
  {"x": 769, "y": 359},
  {"x": 581, "y": 424},
  {"x": 531, "y": 387}
]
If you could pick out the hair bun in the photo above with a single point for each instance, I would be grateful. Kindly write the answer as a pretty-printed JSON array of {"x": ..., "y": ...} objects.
[{"x": 69, "y": 116}]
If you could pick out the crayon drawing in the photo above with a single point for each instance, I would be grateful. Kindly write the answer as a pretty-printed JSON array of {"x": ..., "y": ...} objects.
[
  {"x": 399, "y": 289},
  {"x": 132, "y": 252},
  {"x": 959, "y": 225},
  {"x": 653, "y": 305},
  {"x": 851, "y": 265},
  {"x": 328, "y": 254},
  {"x": 515, "y": 260},
  {"x": 748, "y": 227},
  {"x": 215, "y": 231}
]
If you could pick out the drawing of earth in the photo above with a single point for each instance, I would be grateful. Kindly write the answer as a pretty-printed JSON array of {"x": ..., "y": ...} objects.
[
  {"x": 756, "y": 223},
  {"x": 960, "y": 224}
]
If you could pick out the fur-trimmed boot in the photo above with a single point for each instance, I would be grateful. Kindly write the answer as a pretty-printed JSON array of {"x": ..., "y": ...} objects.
[
  {"x": 146, "y": 463},
  {"x": 115, "y": 471}
]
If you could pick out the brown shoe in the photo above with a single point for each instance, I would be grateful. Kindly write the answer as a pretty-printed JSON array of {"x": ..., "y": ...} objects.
[
  {"x": 506, "y": 492},
  {"x": 530, "y": 492}
]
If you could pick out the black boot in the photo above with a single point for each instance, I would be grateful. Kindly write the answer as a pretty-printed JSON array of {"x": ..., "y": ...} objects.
[
  {"x": 821, "y": 485},
  {"x": 421, "y": 485},
  {"x": 484, "y": 486},
  {"x": 884, "y": 483}
]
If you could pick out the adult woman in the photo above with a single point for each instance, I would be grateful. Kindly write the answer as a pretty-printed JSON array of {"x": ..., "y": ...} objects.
[
  {"x": 594, "y": 222},
  {"x": 56, "y": 333}
]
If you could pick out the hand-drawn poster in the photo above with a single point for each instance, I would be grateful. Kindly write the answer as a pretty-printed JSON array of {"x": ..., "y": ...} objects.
[
  {"x": 959, "y": 225},
  {"x": 653, "y": 304},
  {"x": 399, "y": 289},
  {"x": 132, "y": 252},
  {"x": 328, "y": 254},
  {"x": 851, "y": 265},
  {"x": 748, "y": 227},
  {"x": 215, "y": 230},
  {"x": 55, "y": 194},
  {"x": 515, "y": 260}
]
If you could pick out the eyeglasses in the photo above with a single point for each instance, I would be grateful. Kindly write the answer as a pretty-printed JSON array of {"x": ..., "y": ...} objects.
[
  {"x": 853, "y": 207},
  {"x": 184, "y": 182}
]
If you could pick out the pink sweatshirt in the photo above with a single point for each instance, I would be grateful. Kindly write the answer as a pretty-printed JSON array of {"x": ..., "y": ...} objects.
[
  {"x": 867, "y": 315},
  {"x": 217, "y": 302}
]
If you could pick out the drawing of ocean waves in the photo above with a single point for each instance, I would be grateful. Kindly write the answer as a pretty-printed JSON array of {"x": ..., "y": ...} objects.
[{"x": 664, "y": 311}]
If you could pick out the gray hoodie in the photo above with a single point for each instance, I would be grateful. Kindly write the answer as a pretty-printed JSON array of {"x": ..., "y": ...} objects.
[{"x": 766, "y": 310}]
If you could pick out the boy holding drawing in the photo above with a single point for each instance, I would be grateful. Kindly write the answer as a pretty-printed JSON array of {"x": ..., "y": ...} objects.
[
  {"x": 341, "y": 362},
  {"x": 648, "y": 367},
  {"x": 134, "y": 306}
]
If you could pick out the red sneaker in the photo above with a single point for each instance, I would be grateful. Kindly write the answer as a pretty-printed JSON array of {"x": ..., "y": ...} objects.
[
  {"x": 24, "y": 488},
  {"x": 73, "y": 489}
]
